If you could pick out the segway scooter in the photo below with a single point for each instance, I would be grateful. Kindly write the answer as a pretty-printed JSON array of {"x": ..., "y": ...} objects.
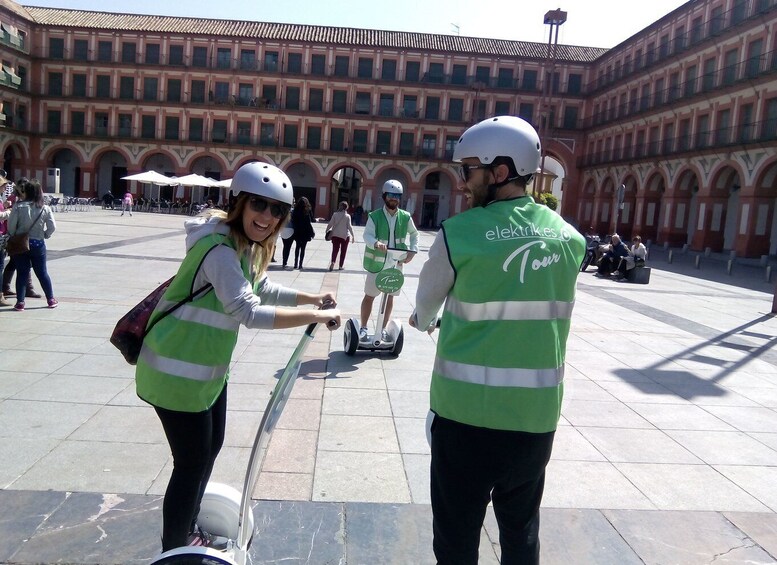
[
  {"x": 225, "y": 512},
  {"x": 389, "y": 280}
]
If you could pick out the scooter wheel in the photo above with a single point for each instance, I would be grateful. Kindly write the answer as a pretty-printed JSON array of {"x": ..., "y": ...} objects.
[
  {"x": 398, "y": 343},
  {"x": 350, "y": 338}
]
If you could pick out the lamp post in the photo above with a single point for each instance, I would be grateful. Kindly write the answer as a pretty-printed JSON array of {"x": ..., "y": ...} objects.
[{"x": 554, "y": 18}]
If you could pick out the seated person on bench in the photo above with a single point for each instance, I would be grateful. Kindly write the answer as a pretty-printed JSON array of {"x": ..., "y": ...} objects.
[
  {"x": 636, "y": 257},
  {"x": 611, "y": 258}
]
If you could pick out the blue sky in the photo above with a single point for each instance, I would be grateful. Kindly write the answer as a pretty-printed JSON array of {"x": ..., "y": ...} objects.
[{"x": 593, "y": 23}]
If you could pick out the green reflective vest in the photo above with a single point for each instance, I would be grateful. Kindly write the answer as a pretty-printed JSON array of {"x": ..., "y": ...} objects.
[
  {"x": 184, "y": 362},
  {"x": 374, "y": 259},
  {"x": 502, "y": 343}
]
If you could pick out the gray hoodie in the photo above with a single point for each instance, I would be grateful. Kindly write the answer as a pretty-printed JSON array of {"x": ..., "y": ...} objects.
[{"x": 221, "y": 268}]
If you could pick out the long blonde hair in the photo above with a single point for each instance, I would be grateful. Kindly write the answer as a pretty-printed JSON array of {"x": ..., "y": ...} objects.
[{"x": 258, "y": 253}]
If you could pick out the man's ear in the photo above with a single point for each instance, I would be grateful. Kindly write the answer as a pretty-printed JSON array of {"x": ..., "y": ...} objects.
[{"x": 501, "y": 173}]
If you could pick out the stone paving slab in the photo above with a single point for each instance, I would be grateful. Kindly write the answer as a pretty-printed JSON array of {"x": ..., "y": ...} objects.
[{"x": 669, "y": 419}]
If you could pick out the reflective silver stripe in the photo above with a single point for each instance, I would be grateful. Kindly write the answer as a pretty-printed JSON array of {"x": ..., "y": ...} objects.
[
  {"x": 510, "y": 310},
  {"x": 180, "y": 368},
  {"x": 189, "y": 313},
  {"x": 493, "y": 376}
]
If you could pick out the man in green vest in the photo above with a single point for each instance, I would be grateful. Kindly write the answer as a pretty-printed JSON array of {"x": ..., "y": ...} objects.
[
  {"x": 389, "y": 226},
  {"x": 506, "y": 272}
]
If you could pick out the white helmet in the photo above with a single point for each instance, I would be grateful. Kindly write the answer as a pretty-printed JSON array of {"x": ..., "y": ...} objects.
[
  {"x": 392, "y": 186},
  {"x": 263, "y": 180},
  {"x": 503, "y": 136}
]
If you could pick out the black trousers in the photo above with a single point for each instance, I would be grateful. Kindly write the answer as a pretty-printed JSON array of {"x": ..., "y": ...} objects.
[
  {"x": 195, "y": 439},
  {"x": 472, "y": 466}
]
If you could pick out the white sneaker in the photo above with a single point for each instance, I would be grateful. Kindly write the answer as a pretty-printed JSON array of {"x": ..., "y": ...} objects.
[{"x": 363, "y": 335}]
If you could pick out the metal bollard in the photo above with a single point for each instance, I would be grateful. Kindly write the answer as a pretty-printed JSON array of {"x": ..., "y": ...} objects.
[
  {"x": 764, "y": 260},
  {"x": 730, "y": 266},
  {"x": 707, "y": 251},
  {"x": 697, "y": 262},
  {"x": 670, "y": 256},
  {"x": 768, "y": 273}
]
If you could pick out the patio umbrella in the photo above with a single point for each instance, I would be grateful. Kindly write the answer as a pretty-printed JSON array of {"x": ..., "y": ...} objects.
[{"x": 152, "y": 177}]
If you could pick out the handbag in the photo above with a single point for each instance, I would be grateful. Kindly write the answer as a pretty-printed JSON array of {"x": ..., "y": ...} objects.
[
  {"x": 20, "y": 243},
  {"x": 133, "y": 327},
  {"x": 328, "y": 235}
]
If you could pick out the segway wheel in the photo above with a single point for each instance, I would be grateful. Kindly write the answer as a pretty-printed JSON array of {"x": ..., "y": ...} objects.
[
  {"x": 350, "y": 338},
  {"x": 193, "y": 556},
  {"x": 398, "y": 343}
]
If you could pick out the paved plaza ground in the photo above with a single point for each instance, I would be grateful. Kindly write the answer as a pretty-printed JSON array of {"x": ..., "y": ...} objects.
[{"x": 666, "y": 451}]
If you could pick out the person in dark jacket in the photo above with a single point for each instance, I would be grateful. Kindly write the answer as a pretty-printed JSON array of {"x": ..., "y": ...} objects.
[
  {"x": 302, "y": 219},
  {"x": 612, "y": 256}
]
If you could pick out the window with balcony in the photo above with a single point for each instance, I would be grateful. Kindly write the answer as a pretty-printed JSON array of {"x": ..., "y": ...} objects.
[
  {"x": 339, "y": 98},
  {"x": 684, "y": 135},
  {"x": 294, "y": 63},
  {"x": 459, "y": 74},
  {"x": 690, "y": 81},
  {"x": 56, "y": 48},
  {"x": 455, "y": 110},
  {"x": 318, "y": 65},
  {"x": 337, "y": 139},
  {"x": 362, "y": 104},
  {"x": 639, "y": 147},
  {"x": 77, "y": 123},
  {"x": 316, "y": 100},
  {"x": 644, "y": 100},
  {"x": 341, "y": 65},
  {"x": 365, "y": 67},
  {"x": 658, "y": 92},
  {"x": 55, "y": 84},
  {"x": 738, "y": 11},
  {"x": 483, "y": 75},
  {"x": 526, "y": 111},
  {"x": 172, "y": 127},
  {"x": 746, "y": 126},
  {"x": 697, "y": 30},
  {"x": 148, "y": 127},
  {"x": 432, "y": 109},
  {"x": 196, "y": 127},
  {"x": 101, "y": 124},
  {"x": 383, "y": 143},
  {"x": 505, "y": 78},
  {"x": 152, "y": 53},
  {"x": 267, "y": 135},
  {"x": 435, "y": 74},
  {"x": 173, "y": 90},
  {"x": 708, "y": 80},
  {"x": 674, "y": 86},
  {"x": 248, "y": 59},
  {"x": 653, "y": 144},
  {"x": 245, "y": 94},
  {"x": 679, "y": 39},
  {"x": 244, "y": 133},
  {"x": 314, "y": 138},
  {"x": 574, "y": 83},
  {"x": 570, "y": 117},
  {"x": 197, "y": 91},
  {"x": 292, "y": 98},
  {"x": 218, "y": 133},
  {"x": 290, "y": 133},
  {"x": 386, "y": 105},
  {"x": 730, "y": 60},
  {"x": 200, "y": 57},
  {"x": 702, "y": 131},
  {"x": 359, "y": 144},
  {"x": 271, "y": 61},
  {"x": 716, "y": 20},
  {"x": 754, "y": 55},
  {"x": 529, "y": 80},
  {"x": 103, "y": 83},
  {"x": 175, "y": 55},
  {"x": 270, "y": 95},
  {"x": 770, "y": 123},
  {"x": 224, "y": 58},
  {"x": 128, "y": 52},
  {"x": 405, "y": 143},
  {"x": 125, "y": 125},
  {"x": 104, "y": 51},
  {"x": 150, "y": 88},
  {"x": 388, "y": 70},
  {"x": 221, "y": 92},
  {"x": 54, "y": 122},
  {"x": 501, "y": 108},
  {"x": 80, "y": 50},
  {"x": 412, "y": 71},
  {"x": 79, "y": 85},
  {"x": 450, "y": 146},
  {"x": 127, "y": 88},
  {"x": 478, "y": 110},
  {"x": 429, "y": 146},
  {"x": 723, "y": 127},
  {"x": 410, "y": 106},
  {"x": 663, "y": 46}
]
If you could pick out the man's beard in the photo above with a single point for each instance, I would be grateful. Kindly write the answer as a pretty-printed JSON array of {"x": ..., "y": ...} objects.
[
  {"x": 391, "y": 205},
  {"x": 479, "y": 196}
]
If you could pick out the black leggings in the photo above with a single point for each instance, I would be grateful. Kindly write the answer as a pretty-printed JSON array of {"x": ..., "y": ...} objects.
[
  {"x": 299, "y": 252},
  {"x": 195, "y": 439}
]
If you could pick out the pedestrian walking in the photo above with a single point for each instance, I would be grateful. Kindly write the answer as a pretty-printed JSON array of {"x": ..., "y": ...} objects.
[
  {"x": 127, "y": 203},
  {"x": 506, "y": 271},
  {"x": 183, "y": 366},
  {"x": 340, "y": 224},
  {"x": 302, "y": 219}
]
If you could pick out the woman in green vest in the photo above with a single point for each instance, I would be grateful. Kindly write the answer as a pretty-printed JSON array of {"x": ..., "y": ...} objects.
[{"x": 183, "y": 367}]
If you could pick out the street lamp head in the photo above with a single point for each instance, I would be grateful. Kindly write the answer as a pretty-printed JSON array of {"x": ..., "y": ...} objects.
[{"x": 555, "y": 17}]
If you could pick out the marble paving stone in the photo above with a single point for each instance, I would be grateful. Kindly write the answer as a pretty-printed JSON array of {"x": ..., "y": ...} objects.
[
  {"x": 412, "y": 435},
  {"x": 241, "y": 428},
  {"x": 389, "y": 533},
  {"x": 590, "y": 484},
  {"x": 40, "y": 420},
  {"x": 73, "y": 388},
  {"x": 283, "y": 486},
  {"x": 641, "y": 391},
  {"x": 363, "y": 378},
  {"x": 122, "y": 424},
  {"x": 409, "y": 380},
  {"x": 759, "y": 527},
  {"x": 688, "y": 487},
  {"x": 581, "y": 536},
  {"x": 584, "y": 389},
  {"x": 290, "y": 532},
  {"x": 22, "y": 362},
  {"x": 301, "y": 414},
  {"x": 357, "y": 433},
  {"x": 703, "y": 393},
  {"x": 679, "y": 417},
  {"x": 309, "y": 387},
  {"x": 417, "y": 472},
  {"x": 12, "y": 382},
  {"x": 66, "y": 344},
  {"x": 685, "y": 537},
  {"x": 254, "y": 373},
  {"x": 603, "y": 414},
  {"x": 23, "y": 514},
  {"x": 570, "y": 445},
  {"x": 409, "y": 403},
  {"x": 97, "y": 366},
  {"x": 127, "y": 397},
  {"x": 19, "y": 454},
  {"x": 725, "y": 448},
  {"x": 97, "y": 529},
  {"x": 637, "y": 446},
  {"x": 363, "y": 477},
  {"x": 96, "y": 466},
  {"x": 747, "y": 418},
  {"x": 768, "y": 439},
  {"x": 764, "y": 396},
  {"x": 291, "y": 451},
  {"x": 758, "y": 481},
  {"x": 356, "y": 401},
  {"x": 247, "y": 397}
]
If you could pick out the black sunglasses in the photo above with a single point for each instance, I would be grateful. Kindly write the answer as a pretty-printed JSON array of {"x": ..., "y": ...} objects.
[
  {"x": 464, "y": 170},
  {"x": 258, "y": 204}
]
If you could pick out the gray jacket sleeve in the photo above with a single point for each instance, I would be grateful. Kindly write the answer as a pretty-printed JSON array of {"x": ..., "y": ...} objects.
[{"x": 434, "y": 283}]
